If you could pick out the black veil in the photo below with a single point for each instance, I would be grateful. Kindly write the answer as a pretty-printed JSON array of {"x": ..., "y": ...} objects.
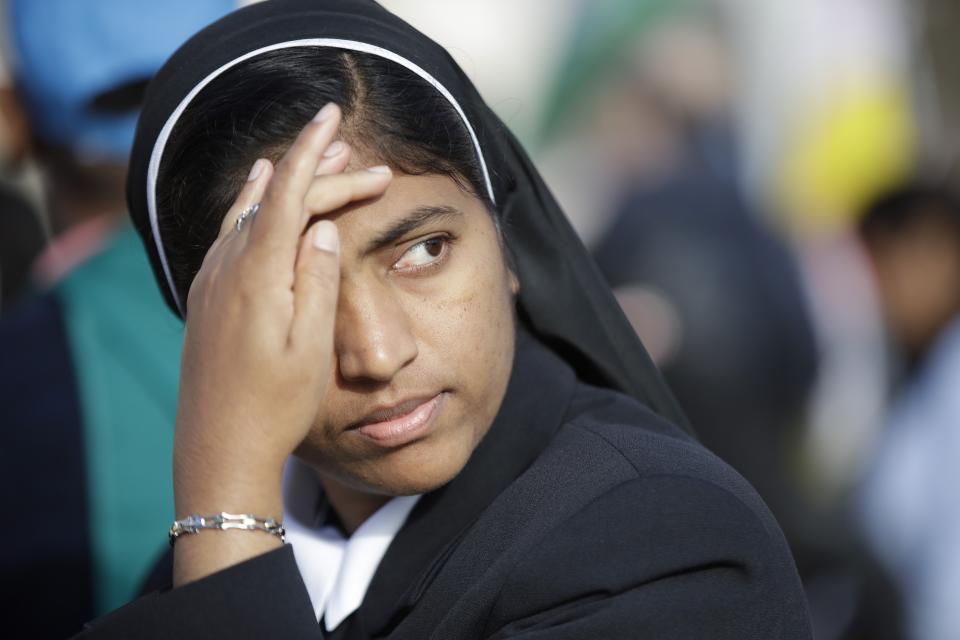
[{"x": 563, "y": 298}]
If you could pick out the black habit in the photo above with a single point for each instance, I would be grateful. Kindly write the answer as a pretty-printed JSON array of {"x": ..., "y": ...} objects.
[
  {"x": 584, "y": 512},
  {"x": 581, "y": 515}
]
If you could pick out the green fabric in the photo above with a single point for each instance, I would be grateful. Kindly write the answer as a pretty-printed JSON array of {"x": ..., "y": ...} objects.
[
  {"x": 604, "y": 29},
  {"x": 126, "y": 351}
]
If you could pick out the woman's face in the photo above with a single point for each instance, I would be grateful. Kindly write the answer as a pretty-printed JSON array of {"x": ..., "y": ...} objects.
[{"x": 423, "y": 340}]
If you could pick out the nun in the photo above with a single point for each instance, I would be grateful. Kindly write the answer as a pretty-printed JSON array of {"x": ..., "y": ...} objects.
[{"x": 409, "y": 406}]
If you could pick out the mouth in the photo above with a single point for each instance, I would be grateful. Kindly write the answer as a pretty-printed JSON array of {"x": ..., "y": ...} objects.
[{"x": 401, "y": 423}]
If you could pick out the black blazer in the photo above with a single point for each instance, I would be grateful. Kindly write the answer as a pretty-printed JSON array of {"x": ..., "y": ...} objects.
[
  {"x": 45, "y": 477},
  {"x": 580, "y": 515}
]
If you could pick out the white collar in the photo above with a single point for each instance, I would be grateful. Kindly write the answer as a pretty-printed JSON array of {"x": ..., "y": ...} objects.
[{"x": 336, "y": 571}]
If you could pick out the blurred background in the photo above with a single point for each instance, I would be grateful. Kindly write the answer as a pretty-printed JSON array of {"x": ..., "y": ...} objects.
[{"x": 768, "y": 185}]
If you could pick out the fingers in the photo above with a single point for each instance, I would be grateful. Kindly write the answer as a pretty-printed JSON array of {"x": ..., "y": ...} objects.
[
  {"x": 280, "y": 214},
  {"x": 251, "y": 193},
  {"x": 315, "y": 289},
  {"x": 329, "y": 193},
  {"x": 335, "y": 158}
]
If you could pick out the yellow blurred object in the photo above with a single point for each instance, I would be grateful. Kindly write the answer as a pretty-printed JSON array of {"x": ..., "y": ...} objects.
[{"x": 844, "y": 153}]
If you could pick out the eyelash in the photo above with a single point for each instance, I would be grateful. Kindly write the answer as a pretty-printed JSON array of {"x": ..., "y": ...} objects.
[{"x": 446, "y": 241}]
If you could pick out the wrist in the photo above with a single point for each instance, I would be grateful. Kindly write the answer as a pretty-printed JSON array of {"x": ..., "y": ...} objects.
[
  {"x": 207, "y": 484},
  {"x": 199, "y": 555}
]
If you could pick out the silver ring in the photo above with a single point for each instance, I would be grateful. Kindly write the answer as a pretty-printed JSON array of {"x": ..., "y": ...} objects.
[{"x": 249, "y": 212}]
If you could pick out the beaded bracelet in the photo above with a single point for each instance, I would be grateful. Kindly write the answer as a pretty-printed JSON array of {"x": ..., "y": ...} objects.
[{"x": 224, "y": 521}]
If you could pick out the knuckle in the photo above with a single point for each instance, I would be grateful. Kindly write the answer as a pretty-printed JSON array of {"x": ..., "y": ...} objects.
[
  {"x": 194, "y": 292},
  {"x": 202, "y": 276},
  {"x": 278, "y": 197},
  {"x": 296, "y": 159},
  {"x": 243, "y": 292},
  {"x": 275, "y": 191},
  {"x": 244, "y": 296},
  {"x": 197, "y": 292}
]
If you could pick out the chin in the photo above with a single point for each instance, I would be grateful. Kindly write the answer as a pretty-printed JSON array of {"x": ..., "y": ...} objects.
[{"x": 420, "y": 467}]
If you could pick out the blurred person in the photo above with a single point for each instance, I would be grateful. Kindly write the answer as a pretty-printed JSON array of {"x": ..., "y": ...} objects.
[
  {"x": 384, "y": 297},
  {"x": 88, "y": 372},
  {"x": 908, "y": 500},
  {"x": 635, "y": 72},
  {"x": 699, "y": 275},
  {"x": 720, "y": 298},
  {"x": 716, "y": 295},
  {"x": 14, "y": 130},
  {"x": 22, "y": 234},
  {"x": 826, "y": 112},
  {"x": 22, "y": 238},
  {"x": 829, "y": 100}
]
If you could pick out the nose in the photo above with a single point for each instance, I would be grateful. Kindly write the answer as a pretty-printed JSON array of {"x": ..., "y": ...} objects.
[{"x": 373, "y": 339}]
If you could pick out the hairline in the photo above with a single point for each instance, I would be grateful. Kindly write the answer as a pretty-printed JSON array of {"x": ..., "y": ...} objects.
[{"x": 156, "y": 155}]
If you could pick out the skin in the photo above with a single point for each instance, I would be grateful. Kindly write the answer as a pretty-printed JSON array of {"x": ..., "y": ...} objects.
[
  {"x": 14, "y": 128},
  {"x": 300, "y": 324},
  {"x": 918, "y": 276}
]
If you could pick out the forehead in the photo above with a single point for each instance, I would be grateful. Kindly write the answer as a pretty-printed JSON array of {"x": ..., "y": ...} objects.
[{"x": 405, "y": 195}]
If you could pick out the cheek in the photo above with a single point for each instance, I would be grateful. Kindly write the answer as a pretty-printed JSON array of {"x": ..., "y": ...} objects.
[
  {"x": 464, "y": 327},
  {"x": 466, "y": 310}
]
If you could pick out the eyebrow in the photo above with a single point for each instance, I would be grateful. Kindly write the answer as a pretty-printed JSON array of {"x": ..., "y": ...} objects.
[{"x": 417, "y": 218}]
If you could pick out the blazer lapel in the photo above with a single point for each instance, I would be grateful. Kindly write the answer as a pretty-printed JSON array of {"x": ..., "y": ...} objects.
[{"x": 534, "y": 404}]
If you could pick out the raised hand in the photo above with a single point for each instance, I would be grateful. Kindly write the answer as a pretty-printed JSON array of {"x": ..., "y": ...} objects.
[{"x": 259, "y": 339}]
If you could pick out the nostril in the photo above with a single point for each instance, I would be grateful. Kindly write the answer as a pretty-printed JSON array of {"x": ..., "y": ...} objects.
[{"x": 373, "y": 363}]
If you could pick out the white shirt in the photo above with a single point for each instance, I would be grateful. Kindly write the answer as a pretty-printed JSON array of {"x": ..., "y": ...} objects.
[
  {"x": 909, "y": 501},
  {"x": 336, "y": 570}
]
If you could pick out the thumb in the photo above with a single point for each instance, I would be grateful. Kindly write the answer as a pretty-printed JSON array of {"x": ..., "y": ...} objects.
[{"x": 315, "y": 288}]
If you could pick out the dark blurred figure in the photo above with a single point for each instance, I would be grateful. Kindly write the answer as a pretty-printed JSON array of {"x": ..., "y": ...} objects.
[
  {"x": 89, "y": 366},
  {"x": 718, "y": 300},
  {"x": 913, "y": 238},
  {"x": 21, "y": 240},
  {"x": 22, "y": 235},
  {"x": 715, "y": 295},
  {"x": 908, "y": 500}
]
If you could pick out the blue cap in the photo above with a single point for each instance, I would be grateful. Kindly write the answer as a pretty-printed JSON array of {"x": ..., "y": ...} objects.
[{"x": 66, "y": 53}]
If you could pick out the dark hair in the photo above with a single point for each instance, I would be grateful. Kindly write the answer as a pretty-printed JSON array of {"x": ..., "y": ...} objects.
[
  {"x": 257, "y": 108},
  {"x": 899, "y": 210},
  {"x": 98, "y": 182}
]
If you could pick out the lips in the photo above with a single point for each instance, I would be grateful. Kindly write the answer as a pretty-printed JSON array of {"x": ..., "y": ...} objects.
[{"x": 401, "y": 423}]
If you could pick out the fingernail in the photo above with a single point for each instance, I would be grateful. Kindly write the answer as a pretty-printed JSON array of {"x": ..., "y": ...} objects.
[
  {"x": 325, "y": 236},
  {"x": 380, "y": 168},
  {"x": 336, "y": 148},
  {"x": 256, "y": 169},
  {"x": 325, "y": 113}
]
